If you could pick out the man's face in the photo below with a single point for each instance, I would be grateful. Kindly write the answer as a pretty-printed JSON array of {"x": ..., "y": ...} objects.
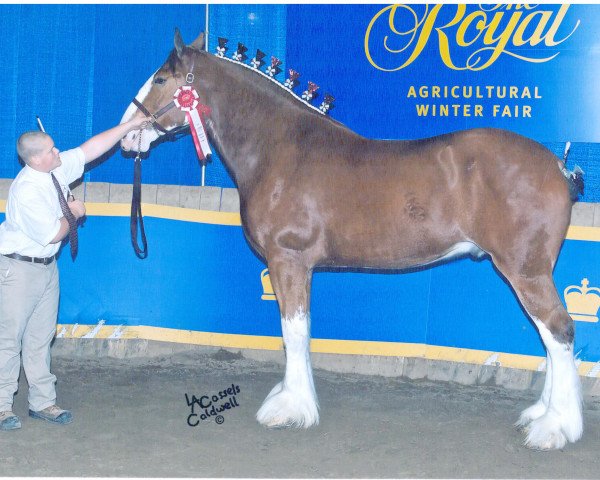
[{"x": 47, "y": 159}]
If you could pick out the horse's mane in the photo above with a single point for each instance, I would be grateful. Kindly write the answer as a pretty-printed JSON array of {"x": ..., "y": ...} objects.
[
  {"x": 268, "y": 84},
  {"x": 173, "y": 61}
]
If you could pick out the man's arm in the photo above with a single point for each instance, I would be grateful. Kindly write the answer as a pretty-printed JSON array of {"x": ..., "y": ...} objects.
[
  {"x": 77, "y": 208},
  {"x": 62, "y": 231},
  {"x": 103, "y": 142}
]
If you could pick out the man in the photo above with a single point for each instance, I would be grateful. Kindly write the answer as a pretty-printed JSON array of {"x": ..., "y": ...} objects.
[{"x": 30, "y": 238}]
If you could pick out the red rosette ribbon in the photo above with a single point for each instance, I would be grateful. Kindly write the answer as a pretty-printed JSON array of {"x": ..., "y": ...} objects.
[{"x": 187, "y": 100}]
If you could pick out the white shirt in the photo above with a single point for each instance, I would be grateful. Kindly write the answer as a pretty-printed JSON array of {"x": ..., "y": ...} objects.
[{"x": 32, "y": 209}]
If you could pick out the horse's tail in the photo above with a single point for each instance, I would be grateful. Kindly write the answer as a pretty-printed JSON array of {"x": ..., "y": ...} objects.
[{"x": 575, "y": 177}]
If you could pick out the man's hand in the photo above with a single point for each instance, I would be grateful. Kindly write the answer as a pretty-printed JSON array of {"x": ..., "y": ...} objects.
[
  {"x": 77, "y": 208},
  {"x": 101, "y": 143},
  {"x": 138, "y": 123}
]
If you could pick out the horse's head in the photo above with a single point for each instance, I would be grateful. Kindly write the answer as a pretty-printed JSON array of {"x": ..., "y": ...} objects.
[{"x": 155, "y": 98}]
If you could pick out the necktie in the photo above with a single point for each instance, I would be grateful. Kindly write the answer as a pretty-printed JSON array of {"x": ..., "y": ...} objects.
[{"x": 68, "y": 216}]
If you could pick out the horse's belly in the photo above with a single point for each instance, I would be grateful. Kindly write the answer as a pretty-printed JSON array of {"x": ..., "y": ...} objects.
[
  {"x": 459, "y": 250},
  {"x": 398, "y": 255}
]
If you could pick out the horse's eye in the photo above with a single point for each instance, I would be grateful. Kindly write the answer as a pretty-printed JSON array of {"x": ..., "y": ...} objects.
[{"x": 159, "y": 80}]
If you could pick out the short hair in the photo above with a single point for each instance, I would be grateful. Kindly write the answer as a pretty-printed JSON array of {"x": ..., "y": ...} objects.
[{"x": 30, "y": 144}]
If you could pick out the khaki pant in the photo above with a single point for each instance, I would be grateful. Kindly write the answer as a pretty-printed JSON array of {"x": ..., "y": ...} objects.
[{"x": 28, "y": 310}]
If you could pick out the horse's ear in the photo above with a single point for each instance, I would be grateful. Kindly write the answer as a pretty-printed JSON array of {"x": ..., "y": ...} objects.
[
  {"x": 178, "y": 42},
  {"x": 198, "y": 44}
]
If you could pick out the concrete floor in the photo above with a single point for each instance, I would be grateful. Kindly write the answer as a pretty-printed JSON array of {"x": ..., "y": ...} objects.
[{"x": 131, "y": 420}]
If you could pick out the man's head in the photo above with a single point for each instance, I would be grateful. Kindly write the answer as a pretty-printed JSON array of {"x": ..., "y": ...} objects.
[{"x": 37, "y": 150}]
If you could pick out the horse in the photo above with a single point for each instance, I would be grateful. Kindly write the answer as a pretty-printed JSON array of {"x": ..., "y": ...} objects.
[{"x": 314, "y": 194}]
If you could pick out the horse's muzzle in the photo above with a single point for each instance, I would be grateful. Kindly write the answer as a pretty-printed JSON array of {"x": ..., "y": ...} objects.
[{"x": 132, "y": 143}]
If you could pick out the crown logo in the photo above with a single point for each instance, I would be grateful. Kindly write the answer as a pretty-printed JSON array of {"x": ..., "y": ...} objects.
[
  {"x": 268, "y": 292},
  {"x": 583, "y": 302}
]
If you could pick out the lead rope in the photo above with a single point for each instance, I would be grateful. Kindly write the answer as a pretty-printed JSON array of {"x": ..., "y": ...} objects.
[{"x": 136, "y": 206}]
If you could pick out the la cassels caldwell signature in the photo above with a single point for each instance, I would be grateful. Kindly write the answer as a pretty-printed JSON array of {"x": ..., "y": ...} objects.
[{"x": 480, "y": 36}]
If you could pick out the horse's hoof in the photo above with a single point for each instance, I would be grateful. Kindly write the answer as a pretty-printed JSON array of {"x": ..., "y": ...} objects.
[
  {"x": 284, "y": 409},
  {"x": 545, "y": 433}
]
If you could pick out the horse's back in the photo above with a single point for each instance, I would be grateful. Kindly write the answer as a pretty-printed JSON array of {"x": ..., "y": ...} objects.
[{"x": 467, "y": 170}]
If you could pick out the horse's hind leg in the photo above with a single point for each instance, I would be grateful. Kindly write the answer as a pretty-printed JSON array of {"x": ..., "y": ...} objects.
[
  {"x": 292, "y": 402},
  {"x": 556, "y": 418}
]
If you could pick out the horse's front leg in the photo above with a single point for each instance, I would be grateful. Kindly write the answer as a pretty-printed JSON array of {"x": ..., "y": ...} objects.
[{"x": 292, "y": 402}]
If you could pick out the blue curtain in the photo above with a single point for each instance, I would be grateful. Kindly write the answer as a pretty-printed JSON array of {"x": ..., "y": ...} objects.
[
  {"x": 79, "y": 66},
  {"x": 47, "y": 57},
  {"x": 257, "y": 27}
]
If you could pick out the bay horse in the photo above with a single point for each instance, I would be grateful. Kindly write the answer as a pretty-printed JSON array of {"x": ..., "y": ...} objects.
[{"x": 315, "y": 194}]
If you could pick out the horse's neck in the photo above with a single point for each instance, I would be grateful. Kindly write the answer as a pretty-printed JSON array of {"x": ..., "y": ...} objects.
[{"x": 241, "y": 123}]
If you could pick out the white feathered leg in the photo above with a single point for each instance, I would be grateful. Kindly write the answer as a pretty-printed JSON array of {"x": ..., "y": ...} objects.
[
  {"x": 293, "y": 402},
  {"x": 557, "y": 417},
  {"x": 562, "y": 421},
  {"x": 540, "y": 407}
]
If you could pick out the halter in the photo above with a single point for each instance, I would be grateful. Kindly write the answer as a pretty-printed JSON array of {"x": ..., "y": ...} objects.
[
  {"x": 136, "y": 217},
  {"x": 189, "y": 78}
]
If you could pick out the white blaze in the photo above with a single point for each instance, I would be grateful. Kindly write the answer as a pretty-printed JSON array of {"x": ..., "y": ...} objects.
[{"x": 131, "y": 140}]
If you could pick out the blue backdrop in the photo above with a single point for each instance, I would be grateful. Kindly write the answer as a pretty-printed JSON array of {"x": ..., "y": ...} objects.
[{"x": 78, "y": 66}]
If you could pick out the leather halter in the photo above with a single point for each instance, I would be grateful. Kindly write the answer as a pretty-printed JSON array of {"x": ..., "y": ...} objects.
[
  {"x": 155, "y": 116},
  {"x": 136, "y": 199},
  {"x": 189, "y": 78}
]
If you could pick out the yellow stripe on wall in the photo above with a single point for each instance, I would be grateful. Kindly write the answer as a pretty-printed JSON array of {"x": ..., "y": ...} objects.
[
  {"x": 590, "y": 234},
  {"x": 167, "y": 212},
  {"x": 340, "y": 347}
]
